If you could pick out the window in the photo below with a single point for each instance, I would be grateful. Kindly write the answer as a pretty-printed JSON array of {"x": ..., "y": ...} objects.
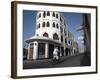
[
  {"x": 53, "y": 14},
  {"x": 53, "y": 24},
  {"x": 65, "y": 32},
  {"x": 61, "y": 39},
  {"x": 37, "y": 34},
  {"x": 69, "y": 42},
  {"x": 60, "y": 19},
  {"x": 45, "y": 34},
  {"x": 43, "y": 24},
  {"x": 32, "y": 45},
  {"x": 57, "y": 25},
  {"x": 56, "y": 15},
  {"x": 48, "y": 13},
  {"x": 65, "y": 40},
  {"x": 61, "y": 29},
  {"x": 55, "y": 36},
  {"x": 68, "y": 35},
  {"x": 48, "y": 24},
  {"x": 44, "y": 14},
  {"x": 39, "y": 15},
  {"x": 39, "y": 25}
]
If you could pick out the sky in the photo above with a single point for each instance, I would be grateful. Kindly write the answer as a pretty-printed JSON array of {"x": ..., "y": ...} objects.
[{"x": 73, "y": 21}]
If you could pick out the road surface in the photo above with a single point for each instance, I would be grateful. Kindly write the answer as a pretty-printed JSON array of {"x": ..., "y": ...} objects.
[{"x": 67, "y": 61}]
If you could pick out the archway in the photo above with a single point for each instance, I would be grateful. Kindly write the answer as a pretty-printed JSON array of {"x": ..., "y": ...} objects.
[
  {"x": 45, "y": 34},
  {"x": 55, "y": 36}
]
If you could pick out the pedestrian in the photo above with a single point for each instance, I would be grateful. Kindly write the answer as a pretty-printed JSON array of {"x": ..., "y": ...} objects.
[{"x": 55, "y": 55}]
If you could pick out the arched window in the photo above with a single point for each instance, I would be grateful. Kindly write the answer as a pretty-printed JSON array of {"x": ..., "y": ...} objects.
[
  {"x": 48, "y": 24},
  {"x": 45, "y": 34},
  {"x": 65, "y": 32},
  {"x": 57, "y": 25},
  {"x": 56, "y": 15},
  {"x": 53, "y": 24},
  {"x": 61, "y": 29},
  {"x": 37, "y": 34},
  {"x": 65, "y": 40},
  {"x": 48, "y": 13},
  {"x": 44, "y": 14},
  {"x": 69, "y": 42},
  {"x": 39, "y": 15},
  {"x": 61, "y": 39},
  {"x": 60, "y": 19},
  {"x": 55, "y": 36},
  {"x": 53, "y": 14},
  {"x": 39, "y": 25},
  {"x": 43, "y": 24}
]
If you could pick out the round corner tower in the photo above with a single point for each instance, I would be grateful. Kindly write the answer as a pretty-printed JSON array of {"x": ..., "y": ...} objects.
[{"x": 48, "y": 24}]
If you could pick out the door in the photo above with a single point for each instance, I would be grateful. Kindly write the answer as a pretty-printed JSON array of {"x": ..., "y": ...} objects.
[
  {"x": 66, "y": 51},
  {"x": 51, "y": 49},
  {"x": 31, "y": 53},
  {"x": 41, "y": 50},
  {"x": 62, "y": 51}
]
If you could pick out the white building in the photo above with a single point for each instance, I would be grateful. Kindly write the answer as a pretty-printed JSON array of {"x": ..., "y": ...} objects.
[{"x": 51, "y": 31}]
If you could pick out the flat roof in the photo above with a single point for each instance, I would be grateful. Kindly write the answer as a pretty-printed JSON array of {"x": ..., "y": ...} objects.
[{"x": 40, "y": 38}]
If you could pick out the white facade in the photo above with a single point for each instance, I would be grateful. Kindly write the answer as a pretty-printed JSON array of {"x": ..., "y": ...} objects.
[
  {"x": 51, "y": 31},
  {"x": 48, "y": 29}
]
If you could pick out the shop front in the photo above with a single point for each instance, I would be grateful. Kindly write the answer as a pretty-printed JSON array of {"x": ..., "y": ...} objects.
[{"x": 40, "y": 48}]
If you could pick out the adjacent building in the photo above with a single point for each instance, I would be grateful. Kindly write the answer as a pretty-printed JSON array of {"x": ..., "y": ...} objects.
[{"x": 51, "y": 31}]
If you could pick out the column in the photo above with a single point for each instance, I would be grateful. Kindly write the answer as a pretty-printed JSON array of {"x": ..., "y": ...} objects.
[
  {"x": 35, "y": 50},
  {"x": 46, "y": 50},
  {"x": 69, "y": 52},
  {"x": 72, "y": 52},
  {"x": 28, "y": 56},
  {"x": 64, "y": 51}
]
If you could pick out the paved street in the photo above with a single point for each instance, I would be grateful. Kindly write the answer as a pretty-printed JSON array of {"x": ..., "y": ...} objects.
[{"x": 66, "y": 61}]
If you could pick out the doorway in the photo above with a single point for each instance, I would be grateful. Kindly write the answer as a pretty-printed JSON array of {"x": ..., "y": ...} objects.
[
  {"x": 62, "y": 51},
  {"x": 66, "y": 51},
  {"x": 41, "y": 50},
  {"x": 31, "y": 53},
  {"x": 51, "y": 48}
]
